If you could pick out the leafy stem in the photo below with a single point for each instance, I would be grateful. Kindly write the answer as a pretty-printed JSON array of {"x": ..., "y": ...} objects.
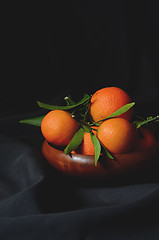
[
  {"x": 138, "y": 124},
  {"x": 85, "y": 100},
  {"x": 80, "y": 111}
]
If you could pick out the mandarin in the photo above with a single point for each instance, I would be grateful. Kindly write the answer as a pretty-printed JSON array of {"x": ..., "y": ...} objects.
[
  {"x": 117, "y": 135},
  {"x": 146, "y": 139},
  {"x": 107, "y": 100},
  {"x": 86, "y": 147},
  {"x": 58, "y": 127}
]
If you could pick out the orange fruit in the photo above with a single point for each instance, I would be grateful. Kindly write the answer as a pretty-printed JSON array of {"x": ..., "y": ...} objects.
[
  {"x": 58, "y": 127},
  {"x": 107, "y": 100},
  {"x": 146, "y": 139},
  {"x": 86, "y": 147},
  {"x": 117, "y": 135}
]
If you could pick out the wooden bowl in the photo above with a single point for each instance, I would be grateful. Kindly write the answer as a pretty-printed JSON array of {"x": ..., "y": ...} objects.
[{"x": 82, "y": 166}]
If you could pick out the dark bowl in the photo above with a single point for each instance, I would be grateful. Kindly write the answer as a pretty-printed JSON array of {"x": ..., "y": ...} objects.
[{"x": 83, "y": 166}]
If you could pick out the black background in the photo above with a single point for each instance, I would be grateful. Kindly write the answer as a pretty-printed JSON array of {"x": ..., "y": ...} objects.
[
  {"x": 80, "y": 46},
  {"x": 73, "y": 47}
]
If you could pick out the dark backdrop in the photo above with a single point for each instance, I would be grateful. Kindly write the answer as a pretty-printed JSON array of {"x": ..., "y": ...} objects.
[{"x": 79, "y": 46}]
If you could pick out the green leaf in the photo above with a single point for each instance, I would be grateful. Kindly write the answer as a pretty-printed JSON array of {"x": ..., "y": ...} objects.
[
  {"x": 75, "y": 142},
  {"x": 108, "y": 154},
  {"x": 33, "y": 121},
  {"x": 97, "y": 147},
  {"x": 84, "y": 100},
  {"x": 118, "y": 112}
]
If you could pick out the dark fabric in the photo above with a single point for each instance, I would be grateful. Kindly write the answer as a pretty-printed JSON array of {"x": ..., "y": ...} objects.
[
  {"x": 36, "y": 202},
  {"x": 74, "y": 47}
]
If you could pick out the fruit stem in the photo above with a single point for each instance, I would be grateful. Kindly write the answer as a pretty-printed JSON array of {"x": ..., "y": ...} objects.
[
  {"x": 69, "y": 100},
  {"x": 95, "y": 124}
]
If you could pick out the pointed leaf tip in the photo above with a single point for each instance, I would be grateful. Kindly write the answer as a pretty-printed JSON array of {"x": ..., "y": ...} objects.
[
  {"x": 97, "y": 147},
  {"x": 33, "y": 121},
  {"x": 118, "y": 112},
  {"x": 75, "y": 142}
]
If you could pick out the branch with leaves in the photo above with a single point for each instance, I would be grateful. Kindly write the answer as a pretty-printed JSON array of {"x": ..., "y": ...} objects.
[{"x": 80, "y": 111}]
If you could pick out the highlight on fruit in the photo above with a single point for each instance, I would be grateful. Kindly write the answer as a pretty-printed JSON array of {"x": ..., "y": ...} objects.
[{"x": 102, "y": 123}]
